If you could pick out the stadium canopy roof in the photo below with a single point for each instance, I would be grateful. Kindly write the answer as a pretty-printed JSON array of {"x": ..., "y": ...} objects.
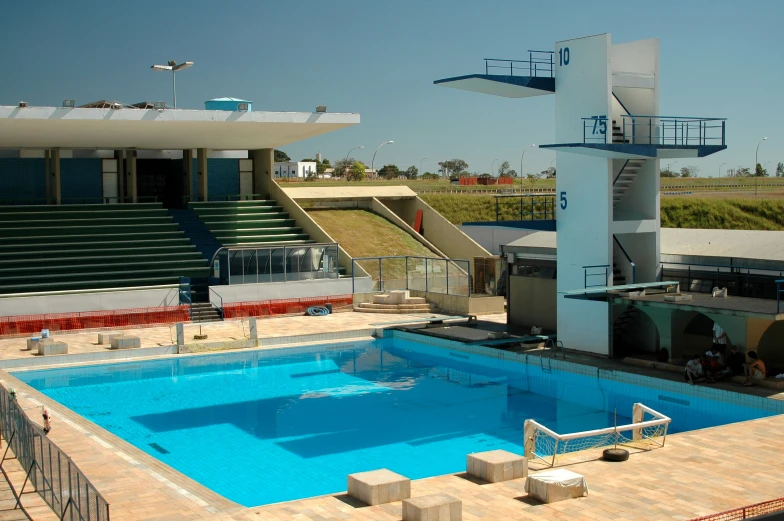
[{"x": 118, "y": 128}]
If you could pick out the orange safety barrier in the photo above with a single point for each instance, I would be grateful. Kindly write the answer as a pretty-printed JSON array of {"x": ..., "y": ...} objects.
[
  {"x": 31, "y": 324},
  {"x": 758, "y": 509},
  {"x": 282, "y": 306}
]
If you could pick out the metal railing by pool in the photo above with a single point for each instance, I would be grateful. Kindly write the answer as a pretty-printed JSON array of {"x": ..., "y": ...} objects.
[
  {"x": 597, "y": 271},
  {"x": 48, "y": 469},
  {"x": 531, "y": 207},
  {"x": 430, "y": 274},
  {"x": 739, "y": 281},
  {"x": 540, "y": 64},
  {"x": 637, "y": 129}
]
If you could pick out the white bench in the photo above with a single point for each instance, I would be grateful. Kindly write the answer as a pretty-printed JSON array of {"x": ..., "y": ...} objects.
[
  {"x": 496, "y": 465},
  {"x": 48, "y": 346},
  {"x": 378, "y": 486},
  {"x": 556, "y": 485},
  {"x": 125, "y": 342},
  {"x": 435, "y": 507}
]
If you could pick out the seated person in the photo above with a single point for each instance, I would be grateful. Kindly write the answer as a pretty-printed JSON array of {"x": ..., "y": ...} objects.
[
  {"x": 755, "y": 369},
  {"x": 693, "y": 371},
  {"x": 714, "y": 364},
  {"x": 714, "y": 355},
  {"x": 735, "y": 362}
]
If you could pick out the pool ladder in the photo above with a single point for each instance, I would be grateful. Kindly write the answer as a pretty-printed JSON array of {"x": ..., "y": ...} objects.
[{"x": 554, "y": 345}]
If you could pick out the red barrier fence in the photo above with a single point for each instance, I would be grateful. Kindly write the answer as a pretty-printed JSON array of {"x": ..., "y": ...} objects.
[
  {"x": 31, "y": 324},
  {"x": 747, "y": 512},
  {"x": 282, "y": 307}
]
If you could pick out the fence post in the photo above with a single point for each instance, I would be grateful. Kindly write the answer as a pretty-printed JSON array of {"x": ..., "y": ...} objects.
[
  {"x": 529, "y": 445},
  {"x": 427, "y": 276},
  {"x": 380, "y": 276}
]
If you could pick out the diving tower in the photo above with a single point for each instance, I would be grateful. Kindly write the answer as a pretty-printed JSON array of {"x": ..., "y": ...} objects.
[{"x": 609, "y": 139}]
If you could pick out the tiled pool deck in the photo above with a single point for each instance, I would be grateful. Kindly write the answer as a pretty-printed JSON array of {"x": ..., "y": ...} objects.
[{"x": 696, "y": 473}]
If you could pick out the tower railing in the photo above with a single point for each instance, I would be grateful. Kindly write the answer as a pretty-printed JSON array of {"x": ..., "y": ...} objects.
[
  {"x": 540, "y": 64},
  {"x": 638, "y": 129}
]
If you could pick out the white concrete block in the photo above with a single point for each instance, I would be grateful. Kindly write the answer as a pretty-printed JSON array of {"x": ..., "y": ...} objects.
[
  {"x": 496, "y": 465},
  {"x": 434, "y": 507},
  {"x": 378, "y": 486},
  {"x": 125, "y": 342}
]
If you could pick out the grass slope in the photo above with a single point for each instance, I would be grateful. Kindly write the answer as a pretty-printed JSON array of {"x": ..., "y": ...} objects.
[
  {"x": 676, "y": 212},
  {"x": 364, "y": 234}
]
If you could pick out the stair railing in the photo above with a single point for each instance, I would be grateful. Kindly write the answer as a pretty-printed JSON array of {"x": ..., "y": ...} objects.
[
  {"x": 186, "y": 297},
  {"x": 634, "y": 266},
  {"x": 605, "y": 272},
  {"x": 619, "y": 173},
  {"x": 220, "y": 308}
]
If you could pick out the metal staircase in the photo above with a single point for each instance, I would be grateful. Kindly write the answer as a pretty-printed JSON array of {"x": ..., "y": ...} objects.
[
  {"x": 625, "y": 179},
  {"x": 618, "y": 278}
]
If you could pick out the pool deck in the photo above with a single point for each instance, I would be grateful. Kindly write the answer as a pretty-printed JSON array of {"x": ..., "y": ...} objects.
[{"x": 696, "y": 473}]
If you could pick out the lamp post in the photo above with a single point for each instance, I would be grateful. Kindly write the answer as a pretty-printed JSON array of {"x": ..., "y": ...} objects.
[
  {"x": 521, "y": 165},
  {"x": 174, "y": 68},
  {"x": 373, "y": 161},
  {"x": 756, "y": 161},
  {"x": 349, "y": 154},
  {"x": 420, "y": 165},
  {"x": 721, "y": 165},
  {"x": 492, "y": 166}
]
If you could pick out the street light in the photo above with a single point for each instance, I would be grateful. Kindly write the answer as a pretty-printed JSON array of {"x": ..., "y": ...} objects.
[
  {"x": 492, "y": 166},
  {"x": 349, "y": 154},
  {"x": 174, "y": 68},
  {"x": 521, "y": 166},
  {"x": 756, "y": 161},
  {"x": 420, "y": 165},
  {"x": 373, "y": 161},
  {"x": 721, "y": 165}
]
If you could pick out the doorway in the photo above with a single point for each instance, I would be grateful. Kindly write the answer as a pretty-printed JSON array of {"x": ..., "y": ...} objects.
[{"x": 163, "y": 179}]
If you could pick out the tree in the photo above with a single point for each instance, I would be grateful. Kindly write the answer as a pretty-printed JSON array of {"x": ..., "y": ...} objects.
[
  {"x": 357, "y": 172},
  {"x": 689, "y": 171},
  {"x": 780, "y": 169},
  {"x": 430, "y": 175},
  {"x": 453, "y": 166},
  {"x": 509, "y": 173},
  {"x": 342, "y": 167},
  {"x": 532, "y": 179},
  {"x": 742, "y": 171},
  {"x": 759, "y": 171},
  {"x": 411, "y": 172},
  {"x": 281, "y": 156},
  {"x": 503, "y": 168},
  {"x": 389, "y": 172},
  {"x": 667, "y": 173},
  {"x": 320, "y": 167}
]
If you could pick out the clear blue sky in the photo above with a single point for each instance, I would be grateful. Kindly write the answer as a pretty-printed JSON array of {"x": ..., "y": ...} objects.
[{"x": 718, "y": 58}]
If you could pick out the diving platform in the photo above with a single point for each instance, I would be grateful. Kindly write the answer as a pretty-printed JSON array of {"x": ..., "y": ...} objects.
[{"x": 510, "y": 78}]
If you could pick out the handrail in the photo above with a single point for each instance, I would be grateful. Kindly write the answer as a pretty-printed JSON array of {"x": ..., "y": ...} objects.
[
  {"x": 546, "y": 200},
  {"x": 428, "y": 289},
  {"x": 669, "y": 130},
  {"x": 185, "y": 294},
  {"x": 535, "y": 59},
  {"x": 619, "y": 173},
  {"x": 220, "y": 308},
  {"x": 623, "y": 250},
  {"x": 554, "y": 344},
  {"x": 586, "y": 275},
  {"x": 621, "y": 103},
  {"x": 87, "y": 291}
]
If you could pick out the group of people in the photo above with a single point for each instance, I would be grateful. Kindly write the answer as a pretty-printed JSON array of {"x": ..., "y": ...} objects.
[{"x": 711, "y": 366}]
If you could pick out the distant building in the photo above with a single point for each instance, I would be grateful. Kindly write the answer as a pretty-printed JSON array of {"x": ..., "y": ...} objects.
[
  {"x": 294, "y": 169},
  {"x": 230, "y": 104}
]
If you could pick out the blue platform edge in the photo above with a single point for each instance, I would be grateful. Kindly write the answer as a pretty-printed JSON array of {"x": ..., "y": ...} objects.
[
  {"x": 641, "y": 150},
  {"x": 542, "y": 225},
  {"x": 532, "y": 82}
]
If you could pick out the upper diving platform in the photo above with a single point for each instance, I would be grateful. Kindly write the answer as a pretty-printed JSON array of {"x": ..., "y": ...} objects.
[
  {"x": 510, "y": 78},
  {"x": 634, "y": 136}
]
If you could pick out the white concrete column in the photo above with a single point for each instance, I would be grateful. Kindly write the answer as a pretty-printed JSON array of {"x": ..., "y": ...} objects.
[
  {"x": 187, "y": 168},
  {"x": 263, "y": 168},
  {"x": 48, "y": 175},
  {"x": 132, "y": 185},
  {"x": 56, "y": 184},
  {"x": 201, "y": 155},
  {"x": 120, "y": 156}
]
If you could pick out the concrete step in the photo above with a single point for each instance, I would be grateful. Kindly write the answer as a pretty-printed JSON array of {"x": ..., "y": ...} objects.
[
  {"x": 369, "y": 305},
  {"x": 394, "y": 311}
]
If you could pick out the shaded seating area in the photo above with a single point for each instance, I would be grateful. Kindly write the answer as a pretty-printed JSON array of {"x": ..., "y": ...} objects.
[
  {"x": 238, "y": 223},
  {"x": 93, "y": 246}
]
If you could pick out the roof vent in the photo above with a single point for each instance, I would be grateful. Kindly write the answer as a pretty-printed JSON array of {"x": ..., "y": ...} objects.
[
  {"x": 158, "y": 105},
  {"x": 321, "y": 109},
  {"x": 23, "y": 104},
  {"x": 69, "y": 103}
]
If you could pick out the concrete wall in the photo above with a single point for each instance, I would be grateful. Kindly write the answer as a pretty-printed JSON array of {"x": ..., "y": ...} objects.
[
  {"x": 96, "y": 301},
  {"x": 492, "y": 238},
  {"x": 382, "y": 210},
  {"x": 440, "y": 232},
  {"x": 450, "y": 304},
  {"x": 281, "y": 290},
  {"x": 23, "y": 179},
  {"x": 533, "y": 302}
]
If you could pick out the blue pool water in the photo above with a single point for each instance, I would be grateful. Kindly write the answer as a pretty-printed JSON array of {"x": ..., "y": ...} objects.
[{"x": 266, "y": 426}]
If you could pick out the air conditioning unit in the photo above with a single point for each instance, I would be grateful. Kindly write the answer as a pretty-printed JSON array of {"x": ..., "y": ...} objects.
[
  {"x": 69, "y": 103},
  {"x": 23, "y": 104},
  {"x": 321, "y": 109},
  {"x": 159, "y": 105},
  {"x": 242, "y": 107}
]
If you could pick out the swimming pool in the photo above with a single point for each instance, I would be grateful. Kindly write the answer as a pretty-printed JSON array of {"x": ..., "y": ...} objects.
[{"x": 266, "y": 426}]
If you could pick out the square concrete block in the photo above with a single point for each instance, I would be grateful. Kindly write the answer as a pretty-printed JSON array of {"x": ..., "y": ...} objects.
[
  {"x": 435, "y": 507},
  {"x": 125, "y": 342},
  {"x": 496, "y": 465},
  {"x": 32, "y": 343},
  {"x": 106, "y": 338},
  {"x": 556, "y": 485},
  {"x": 378, "y": 486},
  {"x": 47, "y": 346}
]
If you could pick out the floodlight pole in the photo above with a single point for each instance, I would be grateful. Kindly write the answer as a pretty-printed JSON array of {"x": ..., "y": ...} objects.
[
  {"x": 756, "y": 162},
  {"x": 373, "y": 161},
  {"x": 521, "y": 166}
]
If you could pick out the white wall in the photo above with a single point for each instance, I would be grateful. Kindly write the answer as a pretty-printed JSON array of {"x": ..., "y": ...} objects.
[
  {"x": 78, "y": 302},
  {"x": 492, "y": 238},
  {"x": 292, "y": 169},
  {"x": 582, "y": 89},
  {"x": 285, "y": 290}
]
